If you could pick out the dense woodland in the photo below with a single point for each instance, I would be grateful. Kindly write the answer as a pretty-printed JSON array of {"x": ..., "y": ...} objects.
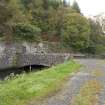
[{"x": 51, "y": 21}]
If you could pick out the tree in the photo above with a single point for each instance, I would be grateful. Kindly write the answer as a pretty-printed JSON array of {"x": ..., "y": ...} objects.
[
  {"x": 53, "y": 18},
  {"x": 56, "y": 17},
  {"x": 75, "y": 32},
  {"x": 27, "y": 32},
  {"x": 97, "y": 39},
  {"x": 96, "y": 30},
  {"x": 5, "y": 18},
  {"x": 46, "y": 4},
  {"x": 76, "y": 7},
  {"x": 55, "y": 3},
  {"x": 7, "y": 10}
]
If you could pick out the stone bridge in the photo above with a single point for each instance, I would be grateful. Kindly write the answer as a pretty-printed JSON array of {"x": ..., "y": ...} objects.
[
  {"x": 22, "y": 60},
  {"x": 17, "y": 55}
]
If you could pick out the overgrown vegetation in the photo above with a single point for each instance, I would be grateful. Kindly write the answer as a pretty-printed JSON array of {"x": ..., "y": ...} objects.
[
  {"x": 33, "y": 86},
  {"x": 76, "y": 32},
  {"x": 50, "y": 20}
]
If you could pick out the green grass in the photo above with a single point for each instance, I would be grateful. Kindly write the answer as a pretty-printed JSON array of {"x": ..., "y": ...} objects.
[{"x": 35, "y": 85}]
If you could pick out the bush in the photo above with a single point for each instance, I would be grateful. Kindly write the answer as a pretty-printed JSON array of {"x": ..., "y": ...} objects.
[
  {"x": 100, "y": 49},
  {"x": 27, "y": 32},
  {"x": 75, "y": 32}
]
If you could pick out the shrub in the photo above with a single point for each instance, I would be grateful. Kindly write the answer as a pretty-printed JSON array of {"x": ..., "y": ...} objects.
[{"x": 27, "y": 32}]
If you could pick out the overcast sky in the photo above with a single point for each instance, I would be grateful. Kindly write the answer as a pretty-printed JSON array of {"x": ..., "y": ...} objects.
[{"x": 91, "y": 7}]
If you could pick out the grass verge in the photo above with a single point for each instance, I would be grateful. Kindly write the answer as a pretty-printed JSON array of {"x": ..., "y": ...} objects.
[{"x": 36, "y": 85}]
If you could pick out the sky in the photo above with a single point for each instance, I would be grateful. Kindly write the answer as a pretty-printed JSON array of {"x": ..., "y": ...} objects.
[{"x": 91, "y": 7}]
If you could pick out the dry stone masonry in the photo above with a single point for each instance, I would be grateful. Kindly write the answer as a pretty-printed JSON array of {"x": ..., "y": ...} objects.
[{"x": 16, "y": 55}]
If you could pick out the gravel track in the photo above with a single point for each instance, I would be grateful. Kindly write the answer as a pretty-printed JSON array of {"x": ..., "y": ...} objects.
[{"x": 73, "y": 85}]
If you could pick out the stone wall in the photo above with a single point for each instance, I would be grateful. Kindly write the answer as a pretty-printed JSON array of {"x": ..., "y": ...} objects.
[
  {"x": 21, "y": 60},
  {"x": 19, "y": 55},
  {"x": 48, "y": 59}
]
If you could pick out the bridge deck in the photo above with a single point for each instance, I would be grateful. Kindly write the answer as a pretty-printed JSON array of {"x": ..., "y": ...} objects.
[{"x": 20, "y": 60}]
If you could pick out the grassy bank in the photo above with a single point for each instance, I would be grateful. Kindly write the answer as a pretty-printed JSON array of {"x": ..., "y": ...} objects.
[{"x": 32, "y": 86}]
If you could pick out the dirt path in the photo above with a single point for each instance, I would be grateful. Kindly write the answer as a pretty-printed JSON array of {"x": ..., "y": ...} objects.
[{"x": 87, "y": 87}]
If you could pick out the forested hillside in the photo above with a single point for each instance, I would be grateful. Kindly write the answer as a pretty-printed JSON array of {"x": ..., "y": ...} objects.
[{"x": 51, "y": 21}]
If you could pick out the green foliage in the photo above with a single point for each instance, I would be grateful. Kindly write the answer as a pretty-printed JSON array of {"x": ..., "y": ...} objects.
[
  {"x": 96, "y": 30},
  {"x": 27, "y": 32},
  {"x": 5, "y": 13},
  {"x": 75, "y": 32},
  {"x": 75, "y": 6},
  {"x": 55, "y": 19},
  {"x": 33, "y": 86},
  {"x": 100, "y": 49},
  {"x": 17, "y": 8},
  {"x": 55, "y": 3},
  {"x": 30, "y": 20},
  {"x": 8, "y": 19},
  {"x": 97, "y": 40}
]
